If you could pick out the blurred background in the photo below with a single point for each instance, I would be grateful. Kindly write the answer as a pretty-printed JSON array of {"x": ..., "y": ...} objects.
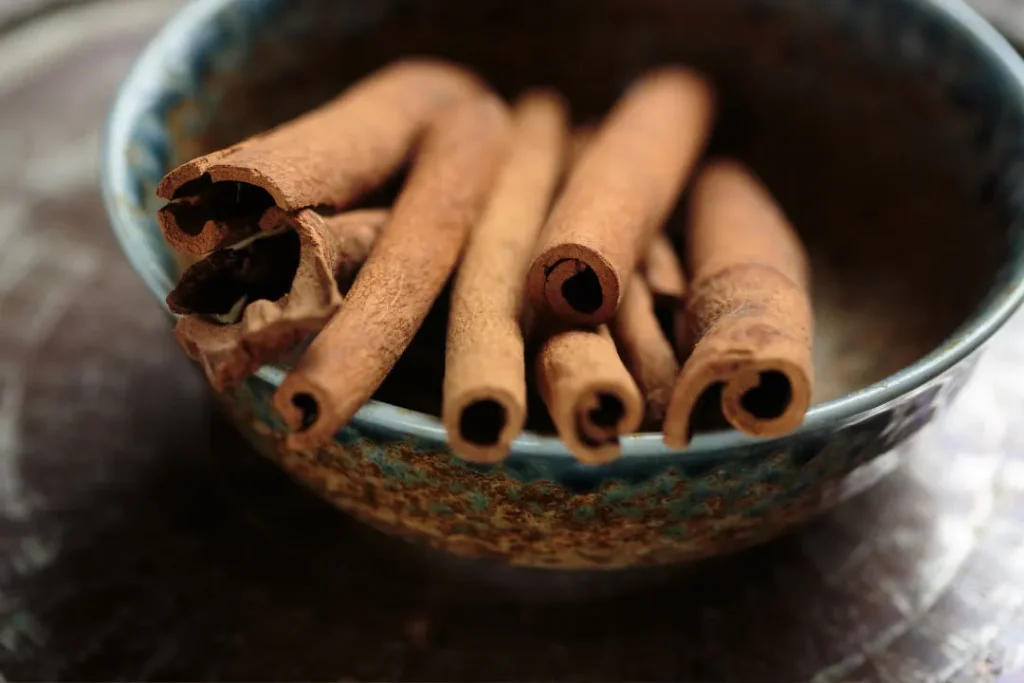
[{"x": 141, "y": 539}]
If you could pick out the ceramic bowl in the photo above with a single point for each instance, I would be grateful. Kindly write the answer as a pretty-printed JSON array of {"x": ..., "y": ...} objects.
[{"x": 891, "y": 130}]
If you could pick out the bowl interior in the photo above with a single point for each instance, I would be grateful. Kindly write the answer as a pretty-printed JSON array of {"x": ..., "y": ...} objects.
[{"x": 890, "y": 134}]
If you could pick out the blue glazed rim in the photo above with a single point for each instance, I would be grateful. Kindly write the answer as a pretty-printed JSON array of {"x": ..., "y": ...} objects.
[{"x": 145, "y": 87}]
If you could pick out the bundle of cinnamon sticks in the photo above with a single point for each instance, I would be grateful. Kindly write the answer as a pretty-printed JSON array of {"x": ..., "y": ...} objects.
[{"x": 555, "y": 244}]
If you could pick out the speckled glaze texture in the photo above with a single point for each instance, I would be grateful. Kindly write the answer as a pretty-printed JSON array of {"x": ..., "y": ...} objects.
[
  {"x": 391, "y": 467},
  {"x": 552, "y": 512}
]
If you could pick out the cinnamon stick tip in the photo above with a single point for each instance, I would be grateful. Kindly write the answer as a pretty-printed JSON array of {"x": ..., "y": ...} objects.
[
  {"x": 481, "y": 428},
  {"x": 207, "y": 239},
  {"x": 574, "y": 284},
  {"x": 768, "y": 399},
  {"x": 211, "y": 206},
  {"x": 605, "y": 414},
  {"x": 300, "y": 404},
  {"x": 169, "y": 184}
]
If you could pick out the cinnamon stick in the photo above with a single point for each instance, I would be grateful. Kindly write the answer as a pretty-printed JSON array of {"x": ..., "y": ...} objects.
[
  {"x": 589, "y": 393},
  {"x": 645, "y": 350},
  {"x": 329, "y": 157},
  {"x": 485, "y": 374},
  {"x": 664, "y": 273},
  {"x": 582, "y": 136},
  {"x": 666, "y": 281},
  {"x": 627, "y": 181},
  {"x": 747, "y": 315},
  {"x": 256, "y": 301},
  {"x": 660, "y": 266},
  {"x": 443, "y": 198}
]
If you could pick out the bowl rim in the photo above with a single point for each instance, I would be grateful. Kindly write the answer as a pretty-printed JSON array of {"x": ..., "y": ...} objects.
[{"x": 145, "y": 84}]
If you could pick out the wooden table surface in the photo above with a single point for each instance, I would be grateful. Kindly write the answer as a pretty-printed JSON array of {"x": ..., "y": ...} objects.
[{"x": 140, "y": 539}]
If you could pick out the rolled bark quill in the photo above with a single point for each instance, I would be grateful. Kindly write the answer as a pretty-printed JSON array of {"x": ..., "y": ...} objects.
[
  {"x": 664, "y": 273},
  {"x": 645, "y": 350},
  {"x": 589, "y": 393},
  {"x": 256, "y": 301},
  {"x": 484, "y": 405},
  {"x": 660, "y": 265},
  {"x": 442, "y": 200},
  {"x": 327, "y": 158},
  {"x": 626, "y": 182},
  {"x": 582, "y": 136},
  {"x": 645, "y": 316},
  {"x": 747, "y": 315}
]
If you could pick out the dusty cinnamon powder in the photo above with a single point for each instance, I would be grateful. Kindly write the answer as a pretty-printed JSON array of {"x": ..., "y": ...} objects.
[{"x": 747, "y": 316}]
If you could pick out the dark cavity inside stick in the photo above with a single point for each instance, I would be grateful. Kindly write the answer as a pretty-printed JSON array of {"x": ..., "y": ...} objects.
[
  {"x": 482, "y": 422},
  {"x": 609, "y": 411},
  {"x": 770, "y": 399},
  {"x": 238, "y": 204},
  {"x": 604, "y": 418},
  {"x": 263, "y": 269},
  {"x": 309, "y": 408},
  {"x": 707, "y": 413},
  {"x": 582, "y": 291}
]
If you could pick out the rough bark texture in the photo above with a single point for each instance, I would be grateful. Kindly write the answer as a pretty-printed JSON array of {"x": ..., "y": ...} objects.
[
  {"x": 443, "y": 199},
  {"x": 263, "y": 331},
  {"x": 590, "y": 395},
  {"x": 645, "y": 350},
  {"x": 485, "y": 373},
  {"x": 747, "y": 316},
  {"x": 628, "y": 178},
  {"x": 328, "y": 157}
]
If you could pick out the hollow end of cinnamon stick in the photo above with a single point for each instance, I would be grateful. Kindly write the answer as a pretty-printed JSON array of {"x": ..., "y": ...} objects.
[
  {"x": 254, "y": 302},
  {"x": 305, "y": 406},
  {"x": 590, "y": 395},
  {"x": 601, "y": 415},
  {"x": 574, "y": 284},
  {"x": 219, "y": 286},
  {"x": 328, "y": 157},
  {"x": 765, "y": 399},
  {"x": 619, "y": 192},
  {"x": 598, "y": 416},
  {"x": 482, "y": 427},
  {"x": 443, "y": 199},
  {"x": 746, "y": 324},
  {"x": 204, "y": 215}
]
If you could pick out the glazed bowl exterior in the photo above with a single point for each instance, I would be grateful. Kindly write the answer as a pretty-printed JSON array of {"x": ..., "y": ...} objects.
[{"x": 391, "y": 467}]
